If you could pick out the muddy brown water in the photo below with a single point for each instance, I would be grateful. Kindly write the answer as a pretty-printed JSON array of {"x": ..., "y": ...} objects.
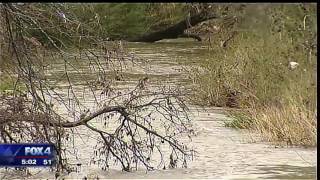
[{"x": 223, "y": 153}]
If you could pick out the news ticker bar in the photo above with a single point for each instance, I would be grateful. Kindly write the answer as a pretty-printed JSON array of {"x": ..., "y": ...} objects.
[{"x": 18, "y": 155}]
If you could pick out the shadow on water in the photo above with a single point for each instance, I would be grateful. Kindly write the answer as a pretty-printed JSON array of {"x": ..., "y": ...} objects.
[{"x": 287, "y": 172}]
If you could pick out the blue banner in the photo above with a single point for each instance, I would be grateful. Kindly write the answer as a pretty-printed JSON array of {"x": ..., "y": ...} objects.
[{"x": 23, "y": 155}]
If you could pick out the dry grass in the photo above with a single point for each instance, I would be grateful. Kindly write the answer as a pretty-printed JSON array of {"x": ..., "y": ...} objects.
[
  {"x": 253, "y": 73},
  {"x": 292, "y": 124}
]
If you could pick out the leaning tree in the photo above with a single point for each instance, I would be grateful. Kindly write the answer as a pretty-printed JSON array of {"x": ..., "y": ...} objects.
[{"x": 131, "y": 125}]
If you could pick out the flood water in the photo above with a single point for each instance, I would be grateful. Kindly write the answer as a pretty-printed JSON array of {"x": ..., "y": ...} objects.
[{"x": 223, "y": 153}]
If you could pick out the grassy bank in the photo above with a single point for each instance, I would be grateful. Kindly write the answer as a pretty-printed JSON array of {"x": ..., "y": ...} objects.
[
  {"x": 253, "y": 73},
  {"x": 8, "y": 83}
]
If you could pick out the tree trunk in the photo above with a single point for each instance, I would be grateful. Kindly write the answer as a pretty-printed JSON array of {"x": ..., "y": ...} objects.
[
  {"x": 176, "y": 30},
  {"x": 188, "y": 35}
]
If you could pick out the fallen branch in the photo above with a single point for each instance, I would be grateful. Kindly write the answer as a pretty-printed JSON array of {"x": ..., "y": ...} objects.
[{"x": 175, "y": 30}]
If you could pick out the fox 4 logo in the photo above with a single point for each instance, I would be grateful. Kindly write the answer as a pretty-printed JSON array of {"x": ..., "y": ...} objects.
[{"x": 37, "y": 151}]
